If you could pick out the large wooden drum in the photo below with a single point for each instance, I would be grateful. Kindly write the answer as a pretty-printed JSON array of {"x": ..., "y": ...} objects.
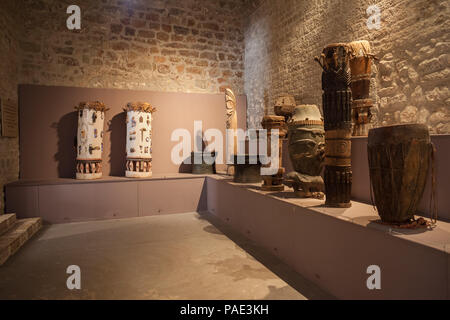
[{"x": 398, "y": 162}]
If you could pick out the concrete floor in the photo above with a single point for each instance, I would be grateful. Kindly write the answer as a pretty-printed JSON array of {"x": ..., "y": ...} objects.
[{"x": 181, "y": 256}]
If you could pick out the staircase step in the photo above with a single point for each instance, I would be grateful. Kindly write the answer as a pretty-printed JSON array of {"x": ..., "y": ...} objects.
[
  {"x": 6, "y": 222},
  {"x": 16, "y": 236}
]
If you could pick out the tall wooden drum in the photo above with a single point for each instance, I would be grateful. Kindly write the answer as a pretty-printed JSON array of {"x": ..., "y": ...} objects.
[
  {"x": 399, "y": 162},
  {"x": 361, "y": 68},
  {"x": 336, "y": 101},
  {"x": 274, "y": 182}
]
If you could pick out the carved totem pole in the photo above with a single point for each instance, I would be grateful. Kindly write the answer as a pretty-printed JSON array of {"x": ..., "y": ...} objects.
[
  {"x": 91, "y": 116},
  {"x": 139, "y": 139},
  {"x": 336, "y": 100}
]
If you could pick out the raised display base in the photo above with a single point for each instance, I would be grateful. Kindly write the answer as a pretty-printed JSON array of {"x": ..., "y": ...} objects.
[
  {"x": 88, "y": 176},
  {"x": 334, "y": 247},
  {"x": 338, "y": 205},
  {"x": 70, "y": 200},
  {"x": 273, "y": 188},
  {"x": 134, "y": 174}
]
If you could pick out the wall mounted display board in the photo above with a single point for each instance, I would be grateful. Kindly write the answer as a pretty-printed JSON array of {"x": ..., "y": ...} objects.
[
  {"x": 9, "y": 118},
  {"x": 48, "y": 124}
]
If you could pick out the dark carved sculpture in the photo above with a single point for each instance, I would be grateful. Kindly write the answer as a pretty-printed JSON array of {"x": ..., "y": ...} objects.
[
  {"x": 336, "y": 99},
  {"x": 306, "y": 143}
]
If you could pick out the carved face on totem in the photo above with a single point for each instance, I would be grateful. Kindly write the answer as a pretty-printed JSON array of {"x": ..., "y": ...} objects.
[
  {"x": 230, "y": 109},
  {"x": 335, "y": 57},
  {"x": 307, "y": 148}
]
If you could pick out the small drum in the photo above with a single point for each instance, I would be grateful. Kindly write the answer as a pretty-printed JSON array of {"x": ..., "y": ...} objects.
[
  {"x": 399, "y": 162},
  {"x": 285, "y": 106},
  {"x": 200, "y": 165},
  {"x": 247, "y": 169},
  {"x": 274, "y": 182},
  {"x": 361, "y": 68}
]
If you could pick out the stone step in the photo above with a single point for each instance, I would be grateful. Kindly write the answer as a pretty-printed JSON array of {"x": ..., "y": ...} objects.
[
  {"x": 16, "y": 236},
  {"x": 6, "y": 222}
]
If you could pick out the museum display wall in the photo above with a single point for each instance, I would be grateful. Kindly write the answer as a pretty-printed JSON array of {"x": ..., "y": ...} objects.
[
  {"x": 409, "y": 81},
  {"x": 362, "y": 111},
  {"x": 48, "y": 127},
  {"x": 187, "y": 46},
  {"x": 9, "y": 77},
  {"x": 165, "y": 46}
]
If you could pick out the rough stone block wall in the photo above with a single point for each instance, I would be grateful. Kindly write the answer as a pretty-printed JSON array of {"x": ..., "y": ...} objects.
[
  {"x": 410, "y": 81},
  {"x": 163, "y": 45},
  {"x": 9, "y": 66}
]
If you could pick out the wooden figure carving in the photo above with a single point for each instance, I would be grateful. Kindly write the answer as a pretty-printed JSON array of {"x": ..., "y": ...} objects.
[{"x": 231, "y": 124}]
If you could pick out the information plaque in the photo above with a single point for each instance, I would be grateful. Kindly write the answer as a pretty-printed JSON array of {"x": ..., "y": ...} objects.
[{"x": 9, "y": 118}]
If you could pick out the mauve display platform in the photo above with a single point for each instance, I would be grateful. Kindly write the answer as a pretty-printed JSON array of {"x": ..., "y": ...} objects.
[
  {"x": 333, "y": 247},
  {"x": 70, "y": 200},
  {"x": 330, "y": 246}
]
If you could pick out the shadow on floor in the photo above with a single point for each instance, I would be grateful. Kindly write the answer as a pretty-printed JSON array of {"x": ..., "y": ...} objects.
[{"x": 307, "y": 288}]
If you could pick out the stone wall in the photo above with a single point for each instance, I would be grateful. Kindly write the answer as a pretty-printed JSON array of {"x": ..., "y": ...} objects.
[
  {"x": 9, "y": 66},
  {"x": 162, "y": 45},
  {"x": 410, "y": 81}
]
